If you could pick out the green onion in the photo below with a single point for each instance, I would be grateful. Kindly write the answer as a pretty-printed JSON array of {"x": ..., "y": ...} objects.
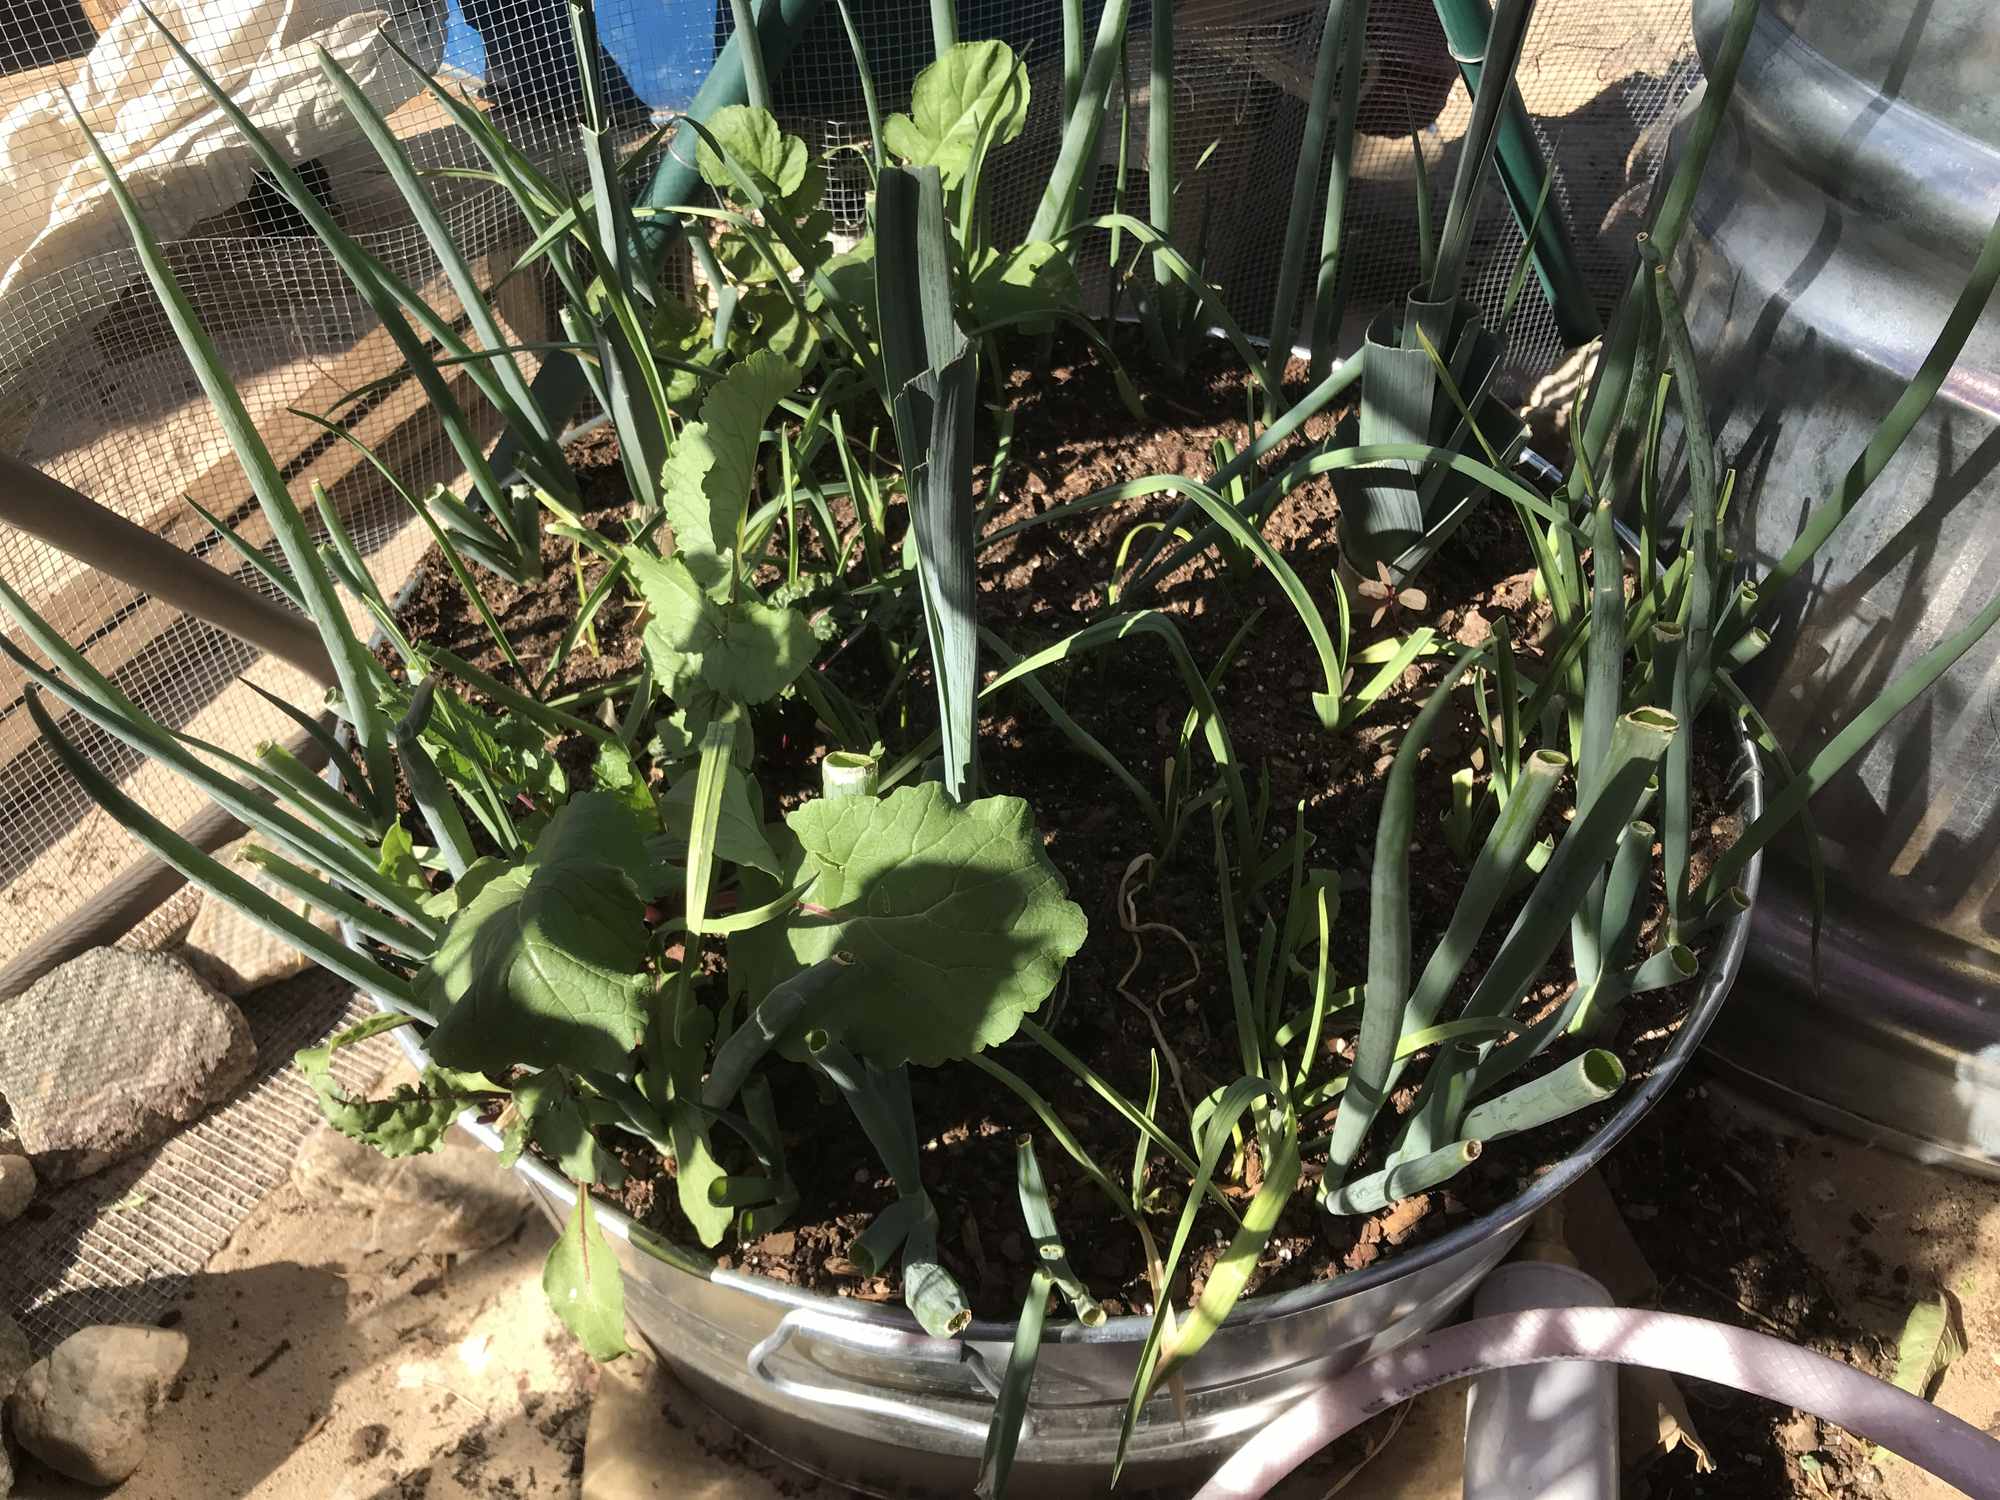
[
  {"x": 778, "y": 1013},
  {"x": 1010, "y": 1412},
  {"x": 1388, "y": 938},
  {"x": 1577, "y": 1084},
  {"x": 1393, "y": 1184},
  {"x": 1042, "y": 1230}
]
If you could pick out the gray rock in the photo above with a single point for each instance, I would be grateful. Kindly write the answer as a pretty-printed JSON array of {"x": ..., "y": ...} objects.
[
  {"x": 111, "y": 1053},
  {"x": 235, "y": 954},
  {"x": 15, "y": 1356},
  {"x": 87, "y": 1410},
  {"x": 17, "y": 1184}
]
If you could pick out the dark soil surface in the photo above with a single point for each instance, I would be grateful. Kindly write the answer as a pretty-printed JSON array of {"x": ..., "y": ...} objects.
[{"x": 1127, "y": 989}]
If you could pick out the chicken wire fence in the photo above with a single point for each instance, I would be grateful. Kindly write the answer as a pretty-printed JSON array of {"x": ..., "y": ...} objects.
[{"x": 94, "y": 389}]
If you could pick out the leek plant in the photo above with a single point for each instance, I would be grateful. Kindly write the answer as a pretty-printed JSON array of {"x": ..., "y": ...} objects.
[{"x": 1428, "y": 366}]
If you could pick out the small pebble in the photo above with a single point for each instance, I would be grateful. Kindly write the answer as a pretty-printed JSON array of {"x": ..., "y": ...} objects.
[{"x": 1823, "y": 1190}]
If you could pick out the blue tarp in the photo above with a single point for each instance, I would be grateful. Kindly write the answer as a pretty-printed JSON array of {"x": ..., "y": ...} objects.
[{"x": 665, "y": 46}]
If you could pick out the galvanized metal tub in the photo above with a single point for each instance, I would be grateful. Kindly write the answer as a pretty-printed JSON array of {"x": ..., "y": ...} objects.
[
  {"x": 858, "y": 1393},
  {"x": 1856, "y": 174}
]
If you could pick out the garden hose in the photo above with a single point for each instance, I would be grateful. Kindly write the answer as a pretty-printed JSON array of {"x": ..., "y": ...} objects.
[{"x": 1756, "y": 1363}]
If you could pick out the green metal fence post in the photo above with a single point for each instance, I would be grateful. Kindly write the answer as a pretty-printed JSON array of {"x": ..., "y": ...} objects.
[{"x": 1518, "y": 157}]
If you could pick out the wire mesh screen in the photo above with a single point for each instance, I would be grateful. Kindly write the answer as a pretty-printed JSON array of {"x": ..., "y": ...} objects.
[
  {"x": 118, "y": 1247},
  {"x": 94, "y": 389}
]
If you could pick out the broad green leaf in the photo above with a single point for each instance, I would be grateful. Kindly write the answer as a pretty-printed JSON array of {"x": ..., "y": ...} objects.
[
  {"x": 744, "y": 652},
  {"x": 544, "y": 967},
  {"x": 762, "y": 260},
  {"x": 413, "y": 1119},
  {"x": 705, "y": 483},
  {"x": 851, "y": 274},
  {"x": 974, "y": 97},
  {"x": 769, "y": 321},
  {"x": 956, "y": 920},
  {"x": 553, "y": 1116},
  {"x": 677, "y": 1046},
  {"x": 1033, "y": 278},
  {"x": 677, "y": 736},
  {"x": 596, "y": 828},
  {"x": 584, "y": 1284},
  {"x": 739, "y": 830},
  {"x": 1930, "y": 1343},
  {"x": 397, "y": 858},
  {"x": 618, "y": 775},
  {"x": 448, "y": 902},
  {"x": 759, "y": 145}
]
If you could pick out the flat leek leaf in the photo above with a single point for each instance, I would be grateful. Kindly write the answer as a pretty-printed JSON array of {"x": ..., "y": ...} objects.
[
  {"x": 584, "y": 1284},
  {"x": 413, "y": 1119},
  {"x": 544, "y": 967},
  {"x": 760, "y": 146},
  {"x": 934, "y": 373},
  {"x": 940, "y": 405},
  {"x": 973, "y": 97},
  {"x": 957, "y": 922},
  {"x": 706, "y": 481},
  {"x": 744, "y": 652},
  {"x": 1398, "y": 388}
]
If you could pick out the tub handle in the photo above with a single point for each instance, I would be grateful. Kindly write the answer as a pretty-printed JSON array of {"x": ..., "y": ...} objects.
[{"x": 889, "y": 1343}]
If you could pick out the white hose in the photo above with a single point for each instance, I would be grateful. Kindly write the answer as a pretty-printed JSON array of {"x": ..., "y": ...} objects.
[{"x": 1951, "y": 1449}]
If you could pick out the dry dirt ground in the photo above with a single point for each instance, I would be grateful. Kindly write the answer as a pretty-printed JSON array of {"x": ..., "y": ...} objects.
[{"x": 377, "y": 1332}]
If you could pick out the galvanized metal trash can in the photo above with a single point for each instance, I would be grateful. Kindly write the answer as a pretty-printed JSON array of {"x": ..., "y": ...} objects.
[{"x": 1855, "y": 177}]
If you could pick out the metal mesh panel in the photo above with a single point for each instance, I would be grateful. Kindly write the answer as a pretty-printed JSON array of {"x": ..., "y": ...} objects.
[
  {"x": 119, "y": 1247},
  {"x": 95, "y": 391}
]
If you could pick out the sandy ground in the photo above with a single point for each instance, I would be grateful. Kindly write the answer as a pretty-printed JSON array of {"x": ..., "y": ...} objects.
[
  {"x": 378, "y": 1332},
  {"x": 1882, "y": 1232}
]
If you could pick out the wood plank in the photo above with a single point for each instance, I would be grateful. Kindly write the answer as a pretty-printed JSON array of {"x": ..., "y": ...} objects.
[
  {"x": 100, "y": 13},
  {"x": 402, "y": 429},
  {"x": 303, "y": 451}
]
